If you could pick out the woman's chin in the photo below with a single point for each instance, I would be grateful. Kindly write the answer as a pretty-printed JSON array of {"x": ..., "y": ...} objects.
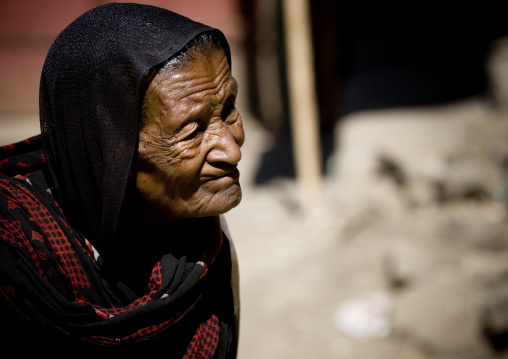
[{"x": 223, "y": 201}]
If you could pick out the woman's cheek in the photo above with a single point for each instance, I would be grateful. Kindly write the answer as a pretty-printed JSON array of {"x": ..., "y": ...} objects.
[
  {"x": 186, "y": 162},
  {"x": 190, "y": 158}
]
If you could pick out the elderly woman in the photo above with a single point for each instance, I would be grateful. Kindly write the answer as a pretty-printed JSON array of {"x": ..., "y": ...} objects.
[{"x": 110, "y": 230}]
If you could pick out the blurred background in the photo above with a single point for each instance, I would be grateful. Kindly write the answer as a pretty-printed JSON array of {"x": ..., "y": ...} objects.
[{"x": 374, "y": 218}]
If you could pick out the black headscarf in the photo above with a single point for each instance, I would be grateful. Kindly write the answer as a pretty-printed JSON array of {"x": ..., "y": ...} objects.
[
  {"x": 51, "y": 273},
  {"x": 90, "y": 105}
]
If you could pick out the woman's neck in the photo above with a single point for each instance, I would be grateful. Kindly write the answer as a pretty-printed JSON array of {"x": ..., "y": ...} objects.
[{"x": 140, "y": 247}]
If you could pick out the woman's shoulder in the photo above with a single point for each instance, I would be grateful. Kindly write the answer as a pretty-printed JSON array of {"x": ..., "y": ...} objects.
[{"x": 22, "y": 158}]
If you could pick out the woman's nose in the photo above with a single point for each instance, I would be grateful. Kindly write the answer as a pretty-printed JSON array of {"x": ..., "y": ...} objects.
[{"x": 226, "y": 144}]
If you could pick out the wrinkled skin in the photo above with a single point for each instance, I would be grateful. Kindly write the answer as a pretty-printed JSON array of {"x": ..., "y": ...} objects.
[{"x": 189, "y": 142}]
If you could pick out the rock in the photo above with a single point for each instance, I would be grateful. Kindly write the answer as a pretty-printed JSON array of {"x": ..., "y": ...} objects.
[{"x": 366, "y": 317}]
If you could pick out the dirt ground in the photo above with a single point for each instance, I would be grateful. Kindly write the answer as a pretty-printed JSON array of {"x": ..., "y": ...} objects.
[{"x": 407, "y": 254}]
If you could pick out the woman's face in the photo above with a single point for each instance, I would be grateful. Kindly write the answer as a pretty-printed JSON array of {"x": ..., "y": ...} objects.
[{"x": 189, "y": 141}]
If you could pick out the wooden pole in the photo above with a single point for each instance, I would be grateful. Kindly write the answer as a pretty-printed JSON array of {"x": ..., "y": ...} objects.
[{"x": 302, "y": 99}]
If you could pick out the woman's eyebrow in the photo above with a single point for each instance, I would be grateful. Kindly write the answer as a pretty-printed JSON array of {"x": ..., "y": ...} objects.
[
  {"x": 230, "y": 96},
  {"x": 196, "y": 113}
]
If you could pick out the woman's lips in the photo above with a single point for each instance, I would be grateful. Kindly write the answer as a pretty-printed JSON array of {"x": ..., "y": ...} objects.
[{"x": 233, "y": 175}]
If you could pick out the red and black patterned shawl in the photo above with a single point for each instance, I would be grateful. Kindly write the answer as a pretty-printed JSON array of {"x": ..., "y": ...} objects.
[{"x": 60, "y": 199}]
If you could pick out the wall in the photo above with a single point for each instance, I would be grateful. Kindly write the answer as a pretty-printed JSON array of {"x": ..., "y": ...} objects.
[{"x": 27, "y": 29}]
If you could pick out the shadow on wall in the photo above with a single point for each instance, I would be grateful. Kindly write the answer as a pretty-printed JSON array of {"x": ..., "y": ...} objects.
[{"x": 27, "y": 30}]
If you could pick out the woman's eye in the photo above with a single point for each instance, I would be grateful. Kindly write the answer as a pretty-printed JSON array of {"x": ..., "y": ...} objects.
[
  {"x": 229, "y": 107},
  {"x": 190, "y": 131}
]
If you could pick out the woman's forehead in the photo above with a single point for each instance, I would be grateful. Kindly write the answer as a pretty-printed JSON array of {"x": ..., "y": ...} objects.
[{"x": 206, "y": 74}]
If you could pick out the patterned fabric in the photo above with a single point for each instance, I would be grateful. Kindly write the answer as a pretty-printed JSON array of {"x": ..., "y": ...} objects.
[
  {"x": 51, "y": 276},
  {"x": 204, "y": 343},
  {"x": 23, "y": 157}
]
